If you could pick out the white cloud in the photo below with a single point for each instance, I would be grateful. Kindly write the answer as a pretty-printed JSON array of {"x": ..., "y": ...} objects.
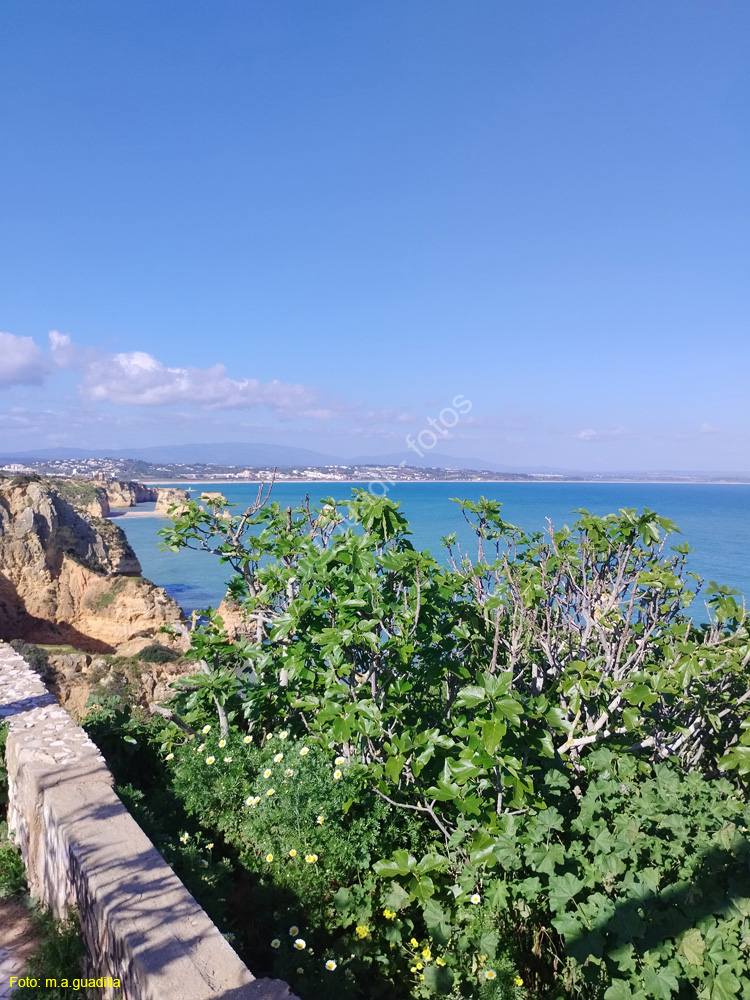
[
  {"x": 136, "y": 378},
  {"x": 613, "y": 433},
  {"x": 21, "y": 361}
]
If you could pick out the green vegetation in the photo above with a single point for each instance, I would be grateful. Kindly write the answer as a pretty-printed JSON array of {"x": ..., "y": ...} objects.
[
  {"x": 58, "y": 957},
  {"x": 157, "y": 653},
  {"x": 12, "y": 873},
  {"x": 518, "y": 775}
]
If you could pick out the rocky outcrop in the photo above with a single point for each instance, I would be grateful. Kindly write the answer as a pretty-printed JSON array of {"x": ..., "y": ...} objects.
[
  {"x": 169, "y": 496},
  {"x": 69, "y": 577},
  {"x": 129, "y": 494}
]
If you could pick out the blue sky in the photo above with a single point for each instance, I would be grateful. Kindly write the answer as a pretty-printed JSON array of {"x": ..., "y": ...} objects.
[{"x": 316, "y": 222}]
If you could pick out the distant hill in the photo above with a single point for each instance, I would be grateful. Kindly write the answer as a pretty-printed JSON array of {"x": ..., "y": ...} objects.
[{"x": 285, "y": 456}]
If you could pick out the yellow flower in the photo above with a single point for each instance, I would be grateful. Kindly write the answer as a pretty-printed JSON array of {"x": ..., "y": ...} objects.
[
  {"x": 269, "y": 858},
  {"x": 518, "y": 981},
  {"x": 320, "y": 820},
  {"x": 330, "y": 965},
  {"x": 292, "y": 854},
  {"x": 311, "y": 858},
  {"x": 490, "y": 974},
  {"x": 210, "y": 760},
  {"x": 426, "y": 953},
  {"x": 206, "y": 729},
  {"x": 419, "y": 965},
  {"x": 276, "y": 943},
  {"x": 248, "y": 739},
  {"x": 271, "y": 791},
  {"x": 389, "y": 914},
  {"x": 361, "y": 931},
  {"x": 336, "y": 775},
  {"x": 278, "y": 757},
  {"x": 222, "y": 743},
  {"x": 414, "y": 943},
  {"x": 440, "y": 961}
]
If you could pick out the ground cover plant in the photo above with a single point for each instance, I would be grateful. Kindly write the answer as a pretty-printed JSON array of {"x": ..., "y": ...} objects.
[{"x": 520, "y": 774}]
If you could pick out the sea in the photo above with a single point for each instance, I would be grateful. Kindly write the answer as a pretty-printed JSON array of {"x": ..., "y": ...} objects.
[{"x": 713, "y": 519}]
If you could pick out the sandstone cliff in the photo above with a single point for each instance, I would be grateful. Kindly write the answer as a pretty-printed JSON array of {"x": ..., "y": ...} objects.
[
  {"x": 121, "y": 494},
  {"x": 67, "y": 576}
]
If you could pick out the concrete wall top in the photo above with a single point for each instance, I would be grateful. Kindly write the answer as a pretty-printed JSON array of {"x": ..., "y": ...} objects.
[{"x": 82, "y": 848}]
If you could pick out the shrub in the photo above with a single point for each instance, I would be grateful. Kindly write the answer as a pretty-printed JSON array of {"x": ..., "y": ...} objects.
[
  {"x": 475, "y": 705},
  {"x": 157, "y": 653}
]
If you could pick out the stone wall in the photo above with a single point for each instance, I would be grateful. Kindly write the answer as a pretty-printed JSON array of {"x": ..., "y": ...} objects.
[{"x": 82, "y": 848}]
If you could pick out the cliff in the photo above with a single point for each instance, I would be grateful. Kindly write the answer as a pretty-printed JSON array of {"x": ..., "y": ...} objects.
[
  {"x": 129, "y": 494},
  {"x": 68, "y": 576}
]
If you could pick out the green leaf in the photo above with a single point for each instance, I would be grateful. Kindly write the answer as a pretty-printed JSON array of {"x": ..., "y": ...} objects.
[
  {"x": 622, "y": 990},
  {"x": 397, "y": 897},
  {"x": 437, "y": 922},
  {"x": 438, "y": 979},
  {"x": 471, "y": 696},
  {"x": 660, "y": 983},
  {"x": 725, "y": 986},
  {"x": 692, "y": 946},
  {"x": 342, "y": 899},
  {"x": 563, "y": 889},
  {"x": 393, "y": 767},
  {"x": 493, "y": 731}
]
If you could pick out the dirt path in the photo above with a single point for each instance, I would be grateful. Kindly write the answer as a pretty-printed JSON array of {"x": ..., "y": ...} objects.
[{"x": 18, "y": 938}]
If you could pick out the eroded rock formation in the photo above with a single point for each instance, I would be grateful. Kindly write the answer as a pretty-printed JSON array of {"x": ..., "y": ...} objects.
[{"x": 67, "y": 576}]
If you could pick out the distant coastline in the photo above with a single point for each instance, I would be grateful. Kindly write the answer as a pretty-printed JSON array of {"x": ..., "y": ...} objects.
[{"x": 131, "y": 513}]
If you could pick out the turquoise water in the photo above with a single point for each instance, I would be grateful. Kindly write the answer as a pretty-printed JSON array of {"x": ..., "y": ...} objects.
[{"x": 713, "y": 520}]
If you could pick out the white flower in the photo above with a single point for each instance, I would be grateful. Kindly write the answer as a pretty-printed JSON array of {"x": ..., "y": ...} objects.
[
  {"x": 283, "y": 736},
  {"x": 269, "y": 858},
  {"x": 304, "y": 751},
  {"x": 288, "y": 773},
  {"x": 330, "y": 965},
  {"x": 201, "y": 748},
  {"x": 339, "y": 760},
  {"x": 311, "y": 858},
  {"x": 227, "y": 760},
  {"x": 293, "y": 930},
  {"x": 170, "y": 756},
  {"x": 271, "y": 791},
  {"x": 299, "y": 944},
  {"x": 206, "y": 729},
  {"x": 476, "y": 898},
  {"x": 248, "y": 739},
  {"x": 336, "y": 775},
  {"x": 278, "y": 757},
  {"x": 222, "y": 743},
  {"x": 204, "y": 864},
  {"x": 210, "y": 760},
  {"x": 267, "y": 773},
  {"x": 320, "y": 820},
  {"x": 276, "y": 943}
]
